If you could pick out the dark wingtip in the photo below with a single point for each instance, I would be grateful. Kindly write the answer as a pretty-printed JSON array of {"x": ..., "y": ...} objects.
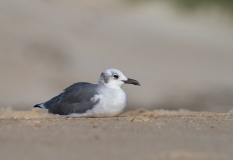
[{"x": 37, "y": 106}]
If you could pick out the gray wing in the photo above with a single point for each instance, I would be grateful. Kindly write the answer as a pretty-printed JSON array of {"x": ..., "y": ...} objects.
[{"x": 74, "y": 99}]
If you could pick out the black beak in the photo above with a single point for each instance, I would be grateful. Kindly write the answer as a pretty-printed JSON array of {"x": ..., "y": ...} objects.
[{"x": 132, "y": 81}]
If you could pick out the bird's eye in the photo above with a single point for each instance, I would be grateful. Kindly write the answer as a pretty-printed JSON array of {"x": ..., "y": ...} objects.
[{"x": 115, "y": 76}]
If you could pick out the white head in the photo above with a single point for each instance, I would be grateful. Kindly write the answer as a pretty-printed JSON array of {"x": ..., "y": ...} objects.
[{"x": 113, "y": 78}]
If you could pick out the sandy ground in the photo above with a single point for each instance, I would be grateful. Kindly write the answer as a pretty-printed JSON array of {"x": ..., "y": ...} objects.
[{"x": 140, "y": 134}]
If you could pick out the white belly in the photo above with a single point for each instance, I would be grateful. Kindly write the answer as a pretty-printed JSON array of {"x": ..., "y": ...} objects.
[{"x": 112, "y": 103}]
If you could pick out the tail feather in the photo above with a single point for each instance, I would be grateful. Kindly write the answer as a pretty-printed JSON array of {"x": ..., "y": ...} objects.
[{"x": 39, "y": 105}]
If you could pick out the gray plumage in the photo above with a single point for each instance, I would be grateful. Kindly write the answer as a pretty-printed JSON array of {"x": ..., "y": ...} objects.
[
  {"x": 74, "y": 99},
  {"x": 105, "y": 99}
]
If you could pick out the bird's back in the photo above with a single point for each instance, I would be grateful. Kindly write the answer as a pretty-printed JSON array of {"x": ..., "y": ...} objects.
[{"x": 77, "y": 98}]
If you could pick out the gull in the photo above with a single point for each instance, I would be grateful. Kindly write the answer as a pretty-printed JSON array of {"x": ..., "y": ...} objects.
[{"x": 82, "y": 99}]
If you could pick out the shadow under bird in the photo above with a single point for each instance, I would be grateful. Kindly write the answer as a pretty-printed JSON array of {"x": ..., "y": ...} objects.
[{"x": 105, "y": 99}]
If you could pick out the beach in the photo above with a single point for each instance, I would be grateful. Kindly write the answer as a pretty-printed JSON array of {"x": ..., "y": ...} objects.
[{"x": 138, "y": 134}]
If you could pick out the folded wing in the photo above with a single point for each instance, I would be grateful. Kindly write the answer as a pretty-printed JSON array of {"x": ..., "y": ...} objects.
[{"x": 78, "y": 98}]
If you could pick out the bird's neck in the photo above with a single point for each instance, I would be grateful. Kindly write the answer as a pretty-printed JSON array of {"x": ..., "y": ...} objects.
[{"x": 110, "y": 86}]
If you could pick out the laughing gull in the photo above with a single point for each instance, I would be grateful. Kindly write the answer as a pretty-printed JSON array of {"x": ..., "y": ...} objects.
[{"x": 105, "y": 99}]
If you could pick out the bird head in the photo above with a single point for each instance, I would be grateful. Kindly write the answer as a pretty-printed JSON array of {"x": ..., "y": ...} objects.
[{"x": 113, "y": 78}]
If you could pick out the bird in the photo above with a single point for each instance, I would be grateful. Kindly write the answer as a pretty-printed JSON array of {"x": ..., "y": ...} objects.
[{"x": 83, "y": 99}]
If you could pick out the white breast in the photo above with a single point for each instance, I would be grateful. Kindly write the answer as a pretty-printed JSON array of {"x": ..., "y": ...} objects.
[{"x": 112, "y": 102}]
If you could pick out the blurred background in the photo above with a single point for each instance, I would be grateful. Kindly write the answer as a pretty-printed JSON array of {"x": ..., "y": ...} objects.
[{"x": 181, "y": 51}]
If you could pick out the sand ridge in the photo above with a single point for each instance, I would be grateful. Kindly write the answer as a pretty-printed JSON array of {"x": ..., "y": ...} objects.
[{"x": 138, "y": 115}]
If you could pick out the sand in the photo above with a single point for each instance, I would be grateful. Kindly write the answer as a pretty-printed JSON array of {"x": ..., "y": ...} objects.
[{"x": 139, "y": 134}]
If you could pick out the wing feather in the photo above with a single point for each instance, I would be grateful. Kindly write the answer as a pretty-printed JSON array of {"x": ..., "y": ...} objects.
[{"x": 75, "y": 99}]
